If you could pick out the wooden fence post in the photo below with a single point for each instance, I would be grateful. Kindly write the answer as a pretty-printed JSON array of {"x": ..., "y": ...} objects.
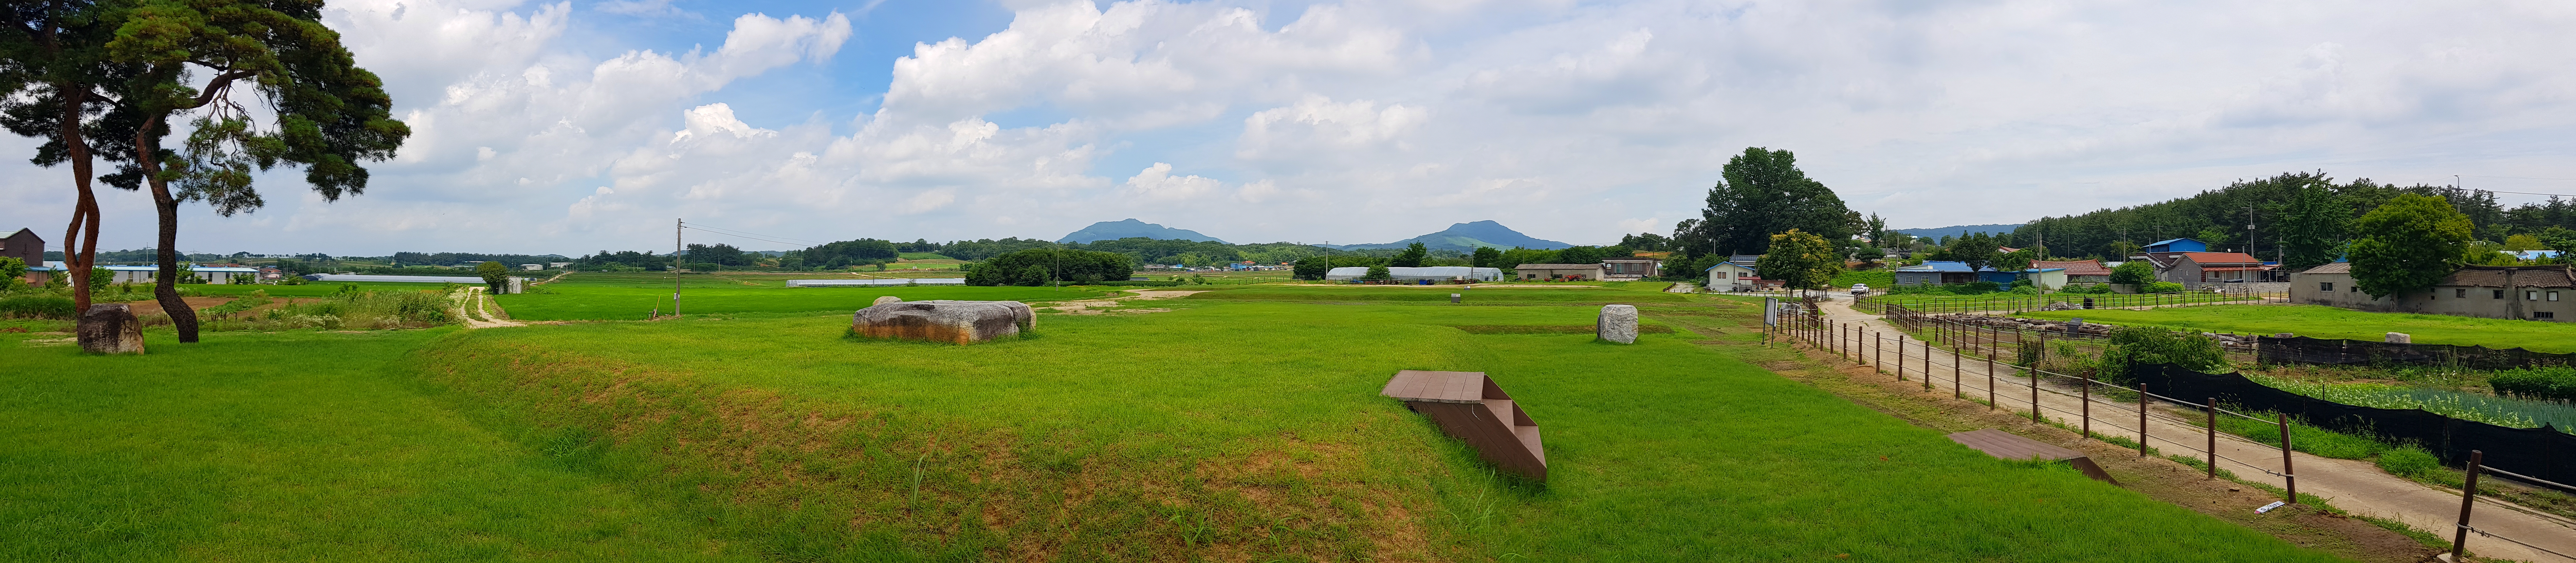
[
  {"x": 2468, "y": 498},
  {"x": 2034, "y": 394},
  {"x": 2212, "y": 407},
  {"x": 1927, "y": 365},
  {"x": 1990, "y": 382},
  {"x": 2288, "y": 476},
  {"x": 2142, "y": 419},
  {"x": 2087, "y": 398},
  {"x": 1956, "y": 392}
]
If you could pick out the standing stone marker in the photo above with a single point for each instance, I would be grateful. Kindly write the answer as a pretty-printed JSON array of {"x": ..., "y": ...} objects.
[
  {"x": 1618, "y": 323},
  {"x": 958, "y": 322},
  {"x": 110, "y": 328}
]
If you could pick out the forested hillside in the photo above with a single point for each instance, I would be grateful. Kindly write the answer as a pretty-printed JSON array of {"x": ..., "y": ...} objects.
[{"x": 2218, "y": 216}]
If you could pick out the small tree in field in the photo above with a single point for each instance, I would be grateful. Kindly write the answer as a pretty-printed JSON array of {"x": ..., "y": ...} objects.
[
  {"x": 2135, "y": 272},
  {"x": 494, "y": 274},
  {"x": 1486, "y": 256},
  {"x": 1800, "y": 260},
  {"x": 1412, "y": 256},
  {"x": 1378, "y": 273},
  {"x": 2407, "y": 245}
]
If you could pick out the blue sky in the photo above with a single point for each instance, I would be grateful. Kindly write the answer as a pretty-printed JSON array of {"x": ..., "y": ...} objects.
[{"x": 571, "y": 127}]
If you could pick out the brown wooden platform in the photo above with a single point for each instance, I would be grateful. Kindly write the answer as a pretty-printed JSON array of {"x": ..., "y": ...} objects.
[
  {"x": 2006, "y": 445},
  {"x": 1469, "y": 406}
]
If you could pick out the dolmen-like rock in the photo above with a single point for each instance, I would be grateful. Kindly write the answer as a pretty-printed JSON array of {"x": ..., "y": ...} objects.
[
  {"x": 958, "y": 322},
  {"x": 110, "y": 328},
  {"x": 1618, "y": 323}
]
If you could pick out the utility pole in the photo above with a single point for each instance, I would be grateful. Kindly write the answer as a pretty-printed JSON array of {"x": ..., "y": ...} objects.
[
  {"x": 2249, "y": 230},
  {"x": 676, "y": 226}
]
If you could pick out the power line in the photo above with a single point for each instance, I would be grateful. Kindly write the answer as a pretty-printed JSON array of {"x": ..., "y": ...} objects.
[
  {"x": 749, "y": 234},
  {"x": 741, "y": 236}
]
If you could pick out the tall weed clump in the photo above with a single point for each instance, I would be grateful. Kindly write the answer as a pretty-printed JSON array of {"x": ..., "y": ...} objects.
[
  {"x": 349, "y": 309},
  {"x": 2551, "y": 383},
  {"x": 35, "y": 306},
  {"x": 2137, "y": 344}
]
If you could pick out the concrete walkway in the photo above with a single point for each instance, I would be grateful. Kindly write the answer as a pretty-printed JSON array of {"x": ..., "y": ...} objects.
[{"x": 2355, "y": 486}]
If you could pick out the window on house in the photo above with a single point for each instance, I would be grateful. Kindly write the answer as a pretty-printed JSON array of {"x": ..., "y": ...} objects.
[
  {"x": 2462, "y": 293},
  {"x": 2553, "y": 296},
  {"x": 2531, "y": 296},
  {"x": 2325, "y": 286},
  {"x": 2544, "y": 315},
  {"x": 2499, "y": 294}
]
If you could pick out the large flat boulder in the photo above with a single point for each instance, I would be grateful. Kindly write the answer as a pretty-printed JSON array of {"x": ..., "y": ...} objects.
[
  {"x": 1617, "y": 323},
  {"x": 959, "y": 322},
  {"x": 110, "y": 328}
]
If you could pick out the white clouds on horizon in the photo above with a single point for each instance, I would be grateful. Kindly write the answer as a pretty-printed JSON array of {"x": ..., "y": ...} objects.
[{"x": 1384, "y": 120}]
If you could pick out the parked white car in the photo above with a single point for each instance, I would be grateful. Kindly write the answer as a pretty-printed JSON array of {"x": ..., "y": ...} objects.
[{"x": 1860, "y": 289}]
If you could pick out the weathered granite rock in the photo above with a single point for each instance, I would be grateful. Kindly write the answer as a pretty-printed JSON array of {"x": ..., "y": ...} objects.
[
  {"x": 1618, "y": 323},
  {"x": 886, "y": 299},
  {"x": 110, "y": 328},
  {"x": 960, "y": 322}
]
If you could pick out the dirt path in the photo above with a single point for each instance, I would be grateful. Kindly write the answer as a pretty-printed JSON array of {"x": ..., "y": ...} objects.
[
  {"x": 2355, "y": 486},
  {"x": 472, "y": 297}
]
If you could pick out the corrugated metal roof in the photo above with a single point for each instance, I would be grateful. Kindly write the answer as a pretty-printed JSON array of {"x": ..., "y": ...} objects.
[
  {"x": 2523, "y": 276},
  {"x": 2074, "y": 267},
  {"x": 2221, "y": 258},
  {"x": 2330, "y": 268}
]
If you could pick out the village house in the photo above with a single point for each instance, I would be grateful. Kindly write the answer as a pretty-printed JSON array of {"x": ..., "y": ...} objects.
[
  {"x": 1565, "y": 272},
  {"x": 2540, "y": 293},
  {"x": 2078, "y": 272}
]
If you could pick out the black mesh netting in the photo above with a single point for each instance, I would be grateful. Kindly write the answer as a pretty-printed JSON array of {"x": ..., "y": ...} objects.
[
  {"x": 2304, "y": 350},
  {"x": 2543, "y": 452}
]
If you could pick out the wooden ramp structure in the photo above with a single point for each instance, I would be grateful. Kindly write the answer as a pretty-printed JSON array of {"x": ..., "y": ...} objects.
[
  {"x": 1467, "y": 405},
  {"x": 2006, "y": 445}
]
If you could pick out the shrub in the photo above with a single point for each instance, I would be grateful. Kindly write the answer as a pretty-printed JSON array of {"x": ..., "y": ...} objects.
[
  {"x": 2409, "y": 461},
  {"x": 2134, "y": 272},
  {"x": 36, "y": 306},
  {"x": 2160, "y": 287},
  {"x": 2147, "y": 345},
  {"x": 1378, "y": 273},
  {"x": 2554, "y": 383},
  {"x": 1976, "y": 287},
  {"x": 2024, "y": 290}
]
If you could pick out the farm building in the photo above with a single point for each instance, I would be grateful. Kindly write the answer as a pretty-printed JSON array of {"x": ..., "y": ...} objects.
[
  {"x": 2539, "y": 293},
  {"x": 2078, "y": 271},
  {"x": 1949, "y": 272},
  {"x": 1433, "y": 273},
  {"x": 218, "y": 275},
  {"x": 2197, "y": 268},
  {"x": 25, "y": 246},
  {"x": 1630, "y": 268},
  {"x": 1568, "y": 272}
]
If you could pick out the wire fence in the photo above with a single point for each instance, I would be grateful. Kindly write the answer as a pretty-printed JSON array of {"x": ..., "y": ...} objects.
[
  {"x": 2333, "y": 351},
  {"x": 1967, "y": 354},
  {"x": 2006, "y": 302}
]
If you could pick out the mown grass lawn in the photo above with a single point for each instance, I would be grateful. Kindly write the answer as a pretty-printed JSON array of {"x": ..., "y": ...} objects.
[
  {"x": 299, "y": 446},
  {"x": 2319, "y": 321},
  {"x": 1253, "y": 431}
]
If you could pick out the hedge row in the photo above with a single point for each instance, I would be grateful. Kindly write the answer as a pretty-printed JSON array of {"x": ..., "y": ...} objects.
[{"x": 2555, "y": 383}]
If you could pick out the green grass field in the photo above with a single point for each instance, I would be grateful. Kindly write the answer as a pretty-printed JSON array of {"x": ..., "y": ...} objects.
[
  {"x": 315, "y": 289},
  {"x": 296, "y": 446},
  {"x": 1221, "y": 429},
  {"x": 2318, "y": 321},
  {"x": 2012, "y": 302}
]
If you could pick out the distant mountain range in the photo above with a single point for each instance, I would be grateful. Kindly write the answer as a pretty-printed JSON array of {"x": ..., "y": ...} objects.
[
  {"x": 1957, "y": 230},
  {"x": 1468, "y": 236},
  {"x": 1114, "y": 230}
]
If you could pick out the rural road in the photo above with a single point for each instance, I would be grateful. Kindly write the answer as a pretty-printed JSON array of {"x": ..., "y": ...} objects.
[
  {"x": 2355, "y": 486},
  {"x": 474, "y": 298}
]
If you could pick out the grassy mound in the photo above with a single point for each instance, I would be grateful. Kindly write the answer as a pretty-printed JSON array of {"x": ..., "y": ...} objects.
[{"x": 1252, "y": 432}]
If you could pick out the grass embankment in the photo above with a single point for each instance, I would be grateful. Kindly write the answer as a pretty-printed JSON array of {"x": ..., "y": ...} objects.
[
  {"x": 1253, "y": 431},
  {"x": 2318, "y": 321},
  {"x": 2007, "y": 301},
  {"x": 294, "y": 446}
]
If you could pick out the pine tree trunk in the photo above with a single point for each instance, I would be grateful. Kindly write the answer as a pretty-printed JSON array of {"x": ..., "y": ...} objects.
[{"x": 167, "y": 289}]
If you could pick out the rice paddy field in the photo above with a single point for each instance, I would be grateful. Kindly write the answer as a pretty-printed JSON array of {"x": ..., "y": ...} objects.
[
  {"x": 1219, "y": 428},
  {"x": 2318, "y": 321}
]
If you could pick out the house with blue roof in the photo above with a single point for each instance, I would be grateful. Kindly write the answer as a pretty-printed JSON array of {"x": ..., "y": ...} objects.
[
  {"x": 1942, "y": 272},
  {"x": 2177, "y": 245}
]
